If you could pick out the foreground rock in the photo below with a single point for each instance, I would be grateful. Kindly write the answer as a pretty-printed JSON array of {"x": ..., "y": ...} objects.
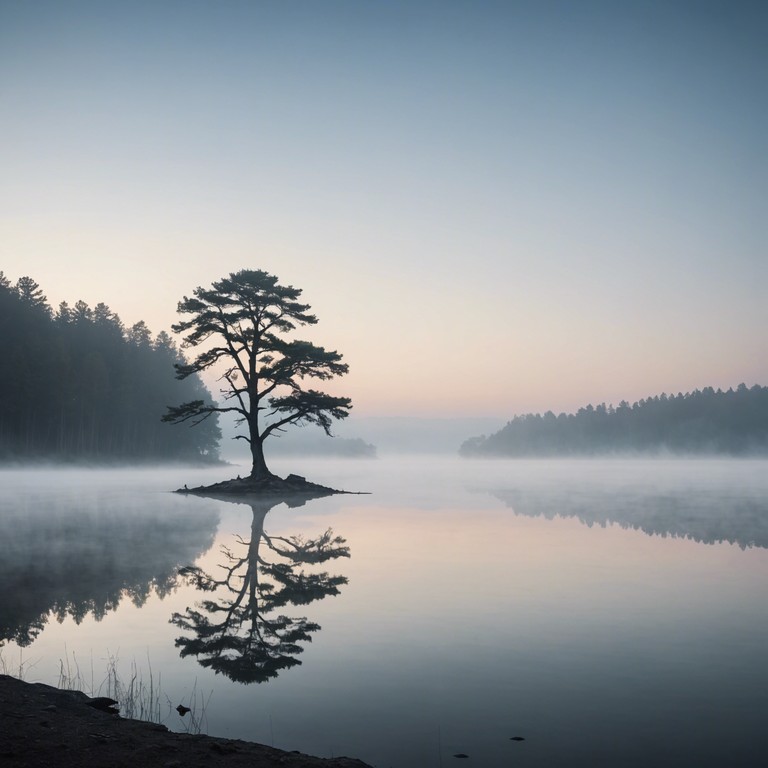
[
  {"x": 45, "y": 726},
  {"x": 293, "y": 485}
]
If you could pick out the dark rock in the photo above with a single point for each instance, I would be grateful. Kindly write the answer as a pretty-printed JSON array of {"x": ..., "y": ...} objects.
[
  {"x": 104, "y": 704},
  {"x": 223, "y": 748}
]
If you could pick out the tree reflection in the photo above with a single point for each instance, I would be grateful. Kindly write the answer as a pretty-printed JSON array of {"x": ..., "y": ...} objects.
[{"x": 240, "y": 630}]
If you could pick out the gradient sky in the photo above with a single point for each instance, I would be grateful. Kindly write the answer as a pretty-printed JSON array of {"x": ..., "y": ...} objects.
[{"x": 493, "y": 207}]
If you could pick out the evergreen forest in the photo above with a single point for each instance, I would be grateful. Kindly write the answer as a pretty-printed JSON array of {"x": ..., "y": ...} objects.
[
  {"x": 706, "y": 421},
  {"x": 76, "y": 385}
]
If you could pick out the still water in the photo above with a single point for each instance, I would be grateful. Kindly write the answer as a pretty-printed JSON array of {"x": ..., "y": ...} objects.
[{"x": 610, "y": 612}]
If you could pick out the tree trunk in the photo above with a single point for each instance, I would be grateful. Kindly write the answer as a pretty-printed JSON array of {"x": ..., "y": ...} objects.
[{"x": 260, "y": 469}]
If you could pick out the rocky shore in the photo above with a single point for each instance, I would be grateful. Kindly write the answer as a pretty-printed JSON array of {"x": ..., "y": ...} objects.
[{"x": 45, "y": 726}]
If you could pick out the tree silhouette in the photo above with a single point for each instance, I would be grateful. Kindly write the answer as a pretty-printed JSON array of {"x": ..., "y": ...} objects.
[
  {"x": 247, "y": 316},
  {"x": 240, "y": 631}
]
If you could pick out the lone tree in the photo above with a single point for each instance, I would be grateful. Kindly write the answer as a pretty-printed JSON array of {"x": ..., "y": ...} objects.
[{"x": 247, "y": 317}]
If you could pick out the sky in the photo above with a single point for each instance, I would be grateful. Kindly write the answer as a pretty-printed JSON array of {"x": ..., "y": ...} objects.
[{"x": 493, "y": 207}]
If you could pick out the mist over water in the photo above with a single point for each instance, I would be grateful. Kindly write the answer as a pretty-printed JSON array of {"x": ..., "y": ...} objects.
[{"x": 611, "y": 612}]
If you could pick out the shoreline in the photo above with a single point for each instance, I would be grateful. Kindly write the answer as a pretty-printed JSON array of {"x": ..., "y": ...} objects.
[{"x": 43, "y": 725}]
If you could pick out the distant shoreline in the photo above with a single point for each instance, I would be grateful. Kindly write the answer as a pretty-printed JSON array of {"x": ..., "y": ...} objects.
[{"x": 702, "y": 422}]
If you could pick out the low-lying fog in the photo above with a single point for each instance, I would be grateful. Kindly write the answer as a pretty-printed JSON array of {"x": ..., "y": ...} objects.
[{"x": 610, "y": 611}]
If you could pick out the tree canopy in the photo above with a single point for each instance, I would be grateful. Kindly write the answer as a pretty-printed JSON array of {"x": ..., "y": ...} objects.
[{"x": 241, "y": 324}]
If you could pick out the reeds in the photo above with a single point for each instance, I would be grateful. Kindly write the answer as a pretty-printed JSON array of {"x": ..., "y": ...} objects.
[
  {"x": 139, "y": 695},
  {"x": 19, "y": 670}
]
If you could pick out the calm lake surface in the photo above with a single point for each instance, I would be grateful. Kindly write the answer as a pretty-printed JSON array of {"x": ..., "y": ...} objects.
[{"x": 611, "y": 612}]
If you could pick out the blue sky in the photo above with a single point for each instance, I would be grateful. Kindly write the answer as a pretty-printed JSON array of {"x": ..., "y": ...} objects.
[{"x": 492, "y": 207}]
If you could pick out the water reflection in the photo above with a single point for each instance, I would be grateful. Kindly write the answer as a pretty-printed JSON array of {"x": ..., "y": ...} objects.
[
  {"x": 240, "y": 630},
  {"x": 737, "y": 517},
  {"x": 75, "y": 558}
]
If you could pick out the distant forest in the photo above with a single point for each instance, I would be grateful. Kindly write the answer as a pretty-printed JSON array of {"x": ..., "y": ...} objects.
[
  {"x": 76, "y": 384},
  {"x": 295, "y": 444},
  {"x": 706, "y": 421}
]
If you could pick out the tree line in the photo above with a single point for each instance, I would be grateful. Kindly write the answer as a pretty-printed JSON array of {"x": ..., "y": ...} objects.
[
  {"x": 706, "y": 421},
  {"x": 78, "y": 384}
]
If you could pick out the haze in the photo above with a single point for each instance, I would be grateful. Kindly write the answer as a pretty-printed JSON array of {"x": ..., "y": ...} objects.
[{"x": 493, "y": 208}]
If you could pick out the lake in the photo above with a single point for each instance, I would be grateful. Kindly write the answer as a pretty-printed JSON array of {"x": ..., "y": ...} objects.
[{"x": 609, "y": 612}]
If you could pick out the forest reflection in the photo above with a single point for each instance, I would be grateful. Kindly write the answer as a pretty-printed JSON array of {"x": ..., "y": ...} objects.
[
  {"x": 241, "y": 630},
  {"x": 709, "y": 516},
  {"x": 72, "y": 559}
]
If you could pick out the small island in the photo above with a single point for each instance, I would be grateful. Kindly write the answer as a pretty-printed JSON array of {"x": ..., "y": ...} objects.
[{"x": 269, "y": 485}]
